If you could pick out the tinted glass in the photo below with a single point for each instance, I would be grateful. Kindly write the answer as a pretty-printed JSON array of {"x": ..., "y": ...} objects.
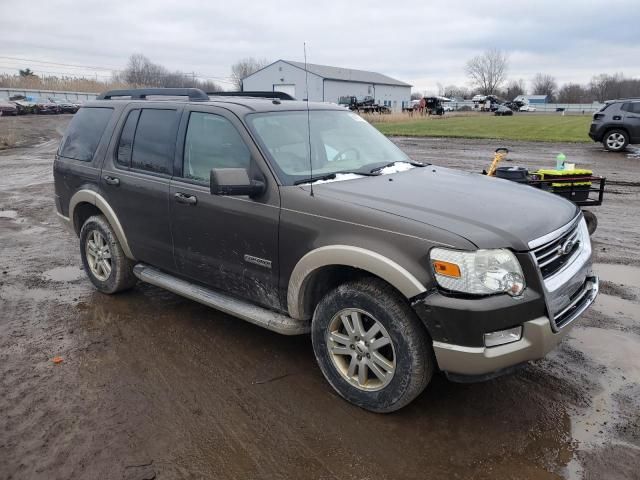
[
  {"x": 626, "y": 107},
  {"x": 125, "y": 145},
  {"x": 154, "y": 141},
  {"x": 635, "y": 107},
  {"x": 212, "y": 142},
  {"x": 84, "y": 133}
]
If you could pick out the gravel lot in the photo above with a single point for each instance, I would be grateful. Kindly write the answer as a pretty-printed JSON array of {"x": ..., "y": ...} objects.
[{"x": 155, "y": 386}]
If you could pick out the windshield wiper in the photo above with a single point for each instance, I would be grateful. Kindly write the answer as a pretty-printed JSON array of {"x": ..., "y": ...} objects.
[
  {"x": 331, "y": 176},
  {"x": 391, "y": 164}
]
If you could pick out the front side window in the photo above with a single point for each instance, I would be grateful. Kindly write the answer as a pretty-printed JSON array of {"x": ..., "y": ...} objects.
[
  {"x": 154, "y": 141},
  {"x": 212, "y": 142},
  {"x": 341, "y": 141},
  {"x": 84, "y": 133}
]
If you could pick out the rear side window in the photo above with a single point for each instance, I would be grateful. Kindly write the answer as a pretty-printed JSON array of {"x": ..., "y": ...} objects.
[
  {"x": 84, "y": 133},
  {"x": 154, "y": 141}
]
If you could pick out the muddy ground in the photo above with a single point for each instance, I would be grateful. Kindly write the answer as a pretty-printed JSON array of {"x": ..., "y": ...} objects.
[{"x": 155, "y": 386}]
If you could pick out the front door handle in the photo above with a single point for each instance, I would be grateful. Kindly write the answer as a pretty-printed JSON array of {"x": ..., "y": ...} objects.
[
  {"x": 186, "y": 198},
  {"x": 111, "y": 180}
]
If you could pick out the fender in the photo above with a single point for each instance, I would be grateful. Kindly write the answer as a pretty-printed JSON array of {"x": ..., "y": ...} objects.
[
  {"x": 94, "y": 198},
  {"x": 347, "y": 255}
]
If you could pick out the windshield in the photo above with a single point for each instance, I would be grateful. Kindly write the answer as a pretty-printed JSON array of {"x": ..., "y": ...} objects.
[{"x": 340, "y": 142}]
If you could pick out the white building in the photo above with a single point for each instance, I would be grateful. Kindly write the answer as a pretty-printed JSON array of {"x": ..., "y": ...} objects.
[{"x": 328, "y": 84}]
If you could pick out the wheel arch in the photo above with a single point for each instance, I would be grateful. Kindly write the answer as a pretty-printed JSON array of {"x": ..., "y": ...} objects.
[
  {"x": 612, "y": 127},
  {"x": 88, "y": 201},
  {"x": 320, "y": 266}
]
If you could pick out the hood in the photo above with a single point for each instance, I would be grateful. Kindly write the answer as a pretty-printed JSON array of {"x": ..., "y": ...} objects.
[{"x": 487, "y": 211}]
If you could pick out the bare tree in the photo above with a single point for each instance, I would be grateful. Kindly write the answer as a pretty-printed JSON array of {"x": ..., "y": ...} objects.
[
  {"x": 514, "y": 89},
  {"x": 574, "y": 93},
  {"x": 543, "y": 84},
  {"x": 142, "y": 72},
  {"x": 488, "y": 71},
  {"x": 454, "y": 91},
  {"x": 416, "y": 96},
  {"x": 245, "y": 67}
]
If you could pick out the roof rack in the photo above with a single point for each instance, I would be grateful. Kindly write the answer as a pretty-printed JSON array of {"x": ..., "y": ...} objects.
[
  {"x": 143, "y": 93},
  {"x": 257, "y": 94}
]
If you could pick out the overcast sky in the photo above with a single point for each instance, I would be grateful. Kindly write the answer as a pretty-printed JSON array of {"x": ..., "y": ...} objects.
[{"x": 414, "y": 41}]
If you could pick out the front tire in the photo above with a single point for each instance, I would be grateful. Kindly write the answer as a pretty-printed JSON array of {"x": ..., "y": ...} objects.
[
  {"x": 616, "y": 140},
  {"x": 370, "y": 345},
  {"x": 104, "y": 261}
]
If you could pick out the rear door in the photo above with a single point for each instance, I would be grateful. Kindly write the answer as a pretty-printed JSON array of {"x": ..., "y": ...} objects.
[
  {"x": 632, "y": 120},
  {"x": 136, "y": 180},
  {"x": 227, "y": 242}
]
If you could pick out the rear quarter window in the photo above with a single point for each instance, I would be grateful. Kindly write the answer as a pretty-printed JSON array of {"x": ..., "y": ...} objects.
[{"x": 84, "y": 133}]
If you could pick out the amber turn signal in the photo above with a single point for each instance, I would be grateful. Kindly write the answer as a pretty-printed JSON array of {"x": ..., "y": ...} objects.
[{"x": 447, "y": 269}]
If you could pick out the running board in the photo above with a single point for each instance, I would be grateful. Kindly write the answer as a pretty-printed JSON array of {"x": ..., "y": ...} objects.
[{"x": 246, "y": 311}]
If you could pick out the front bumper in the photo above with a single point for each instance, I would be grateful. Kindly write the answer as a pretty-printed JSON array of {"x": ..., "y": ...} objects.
[{"x": 537, "y": 340}]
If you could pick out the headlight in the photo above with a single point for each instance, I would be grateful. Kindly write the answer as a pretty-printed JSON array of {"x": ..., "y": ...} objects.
[{"x": 482, "y": 272}]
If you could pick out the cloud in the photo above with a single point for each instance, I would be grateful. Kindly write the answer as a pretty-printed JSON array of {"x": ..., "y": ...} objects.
[{"x": 419, "y": 42}]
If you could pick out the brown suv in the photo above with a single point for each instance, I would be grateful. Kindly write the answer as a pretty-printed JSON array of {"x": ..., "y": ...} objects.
[{"x": 303, "y": 217}]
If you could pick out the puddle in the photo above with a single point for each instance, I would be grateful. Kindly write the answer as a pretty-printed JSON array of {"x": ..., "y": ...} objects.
[
  {"x": 633, "y": 152},
  {"x": 617, "y": 351},
  {"x": 614, "y": 306},
  {"x": 8, "y": 214},
  {"x": 64, "y": 274},
  {"x": 622, "y": 274}
]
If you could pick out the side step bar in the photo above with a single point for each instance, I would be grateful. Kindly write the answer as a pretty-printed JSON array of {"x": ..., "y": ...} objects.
[{"x": 246, "y": 311}]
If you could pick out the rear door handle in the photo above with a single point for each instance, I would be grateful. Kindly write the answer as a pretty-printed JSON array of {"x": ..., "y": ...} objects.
[
  {"x": 111, "y": 180},
  {"x": 186, "y": 198}
]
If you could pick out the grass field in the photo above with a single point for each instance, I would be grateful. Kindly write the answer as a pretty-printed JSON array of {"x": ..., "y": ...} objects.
[{"x": 537, "y": 128}]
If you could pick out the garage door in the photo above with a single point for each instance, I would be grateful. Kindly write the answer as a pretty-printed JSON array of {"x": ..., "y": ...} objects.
[{"x": 287, "y": 88}]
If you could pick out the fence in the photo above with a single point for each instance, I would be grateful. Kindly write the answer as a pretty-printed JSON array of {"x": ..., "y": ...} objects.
[{"x": 31, "y": 94}]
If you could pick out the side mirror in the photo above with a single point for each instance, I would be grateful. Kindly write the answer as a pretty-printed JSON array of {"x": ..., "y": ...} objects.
[{"x": 234, "y": 181}]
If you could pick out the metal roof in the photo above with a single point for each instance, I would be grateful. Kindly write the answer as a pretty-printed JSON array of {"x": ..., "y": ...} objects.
[{"x": 347, "y": 74}]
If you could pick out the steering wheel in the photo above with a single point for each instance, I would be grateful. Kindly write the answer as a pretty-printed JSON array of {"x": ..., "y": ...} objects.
[{"x": 342, "y": 152}]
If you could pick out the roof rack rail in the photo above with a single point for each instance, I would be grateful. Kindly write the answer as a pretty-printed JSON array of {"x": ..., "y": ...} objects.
[
  {"x": 257, "y": 94},
  {"x": 143, "y": 93}
]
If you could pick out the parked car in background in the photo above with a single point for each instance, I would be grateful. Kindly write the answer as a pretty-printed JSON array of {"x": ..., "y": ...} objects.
[
  {"x": 44, "y": 105},
  {"x": 65, "y": 105},
  {"x": 23, "y": 105},
  {"x": 7, "y": 107},
  {"x": 617, "y": 124},
  {"x": 527, "y": 108},
  {"x": 502, "y": 111}
]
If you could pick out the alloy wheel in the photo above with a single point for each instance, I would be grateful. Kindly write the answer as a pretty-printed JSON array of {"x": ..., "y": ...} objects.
[
  {"x": 98, "y": 255},
  {"x": 615, "y": 141},
  {"x": 361, "y": 349}
]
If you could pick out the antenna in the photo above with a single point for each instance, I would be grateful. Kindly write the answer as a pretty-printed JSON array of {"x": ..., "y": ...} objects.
[{"x": 306, "y": 83}]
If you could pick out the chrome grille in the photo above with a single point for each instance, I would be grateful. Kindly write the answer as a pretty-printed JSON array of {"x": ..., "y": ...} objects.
[{"x": 552, "y": 256}]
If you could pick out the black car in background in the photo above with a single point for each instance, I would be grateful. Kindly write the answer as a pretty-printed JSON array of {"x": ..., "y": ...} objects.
[
  {"x": 65, "y": 105},
  {"x": 44, "y": 105}
]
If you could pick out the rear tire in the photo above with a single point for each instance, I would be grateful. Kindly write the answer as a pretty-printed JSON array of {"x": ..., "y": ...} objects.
[
  {"x": 103, "y": 259},
  {"x": 370, "y": 345},
  {"x": 615, "y": 140}
]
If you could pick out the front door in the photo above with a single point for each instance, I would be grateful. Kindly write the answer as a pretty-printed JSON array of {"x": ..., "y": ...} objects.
[
  {"x": 228, "y": 243},
  {"x": 136, "y": 179}
]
